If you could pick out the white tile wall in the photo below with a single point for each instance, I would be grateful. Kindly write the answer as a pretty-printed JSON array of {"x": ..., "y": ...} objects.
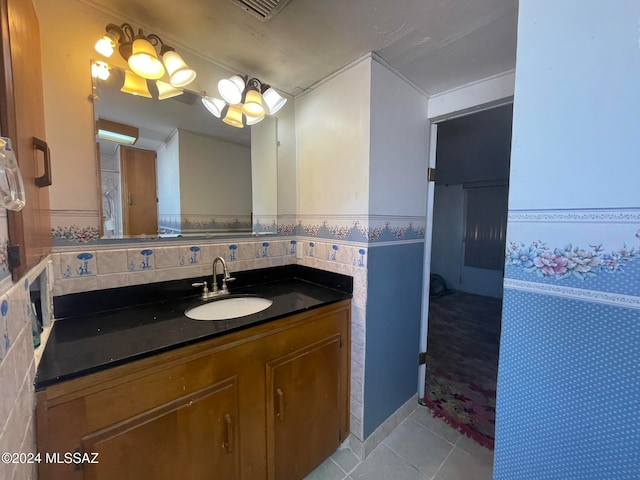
[
  {"x": 17, "y": 374},
  {"x": 111, "y": 268}
]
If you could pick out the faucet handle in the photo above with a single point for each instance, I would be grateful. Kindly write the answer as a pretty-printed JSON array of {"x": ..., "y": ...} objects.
[{"x": 205, "y": 289}]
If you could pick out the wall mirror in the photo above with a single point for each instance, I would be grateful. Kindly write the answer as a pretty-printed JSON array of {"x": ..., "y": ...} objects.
[{"x": 186, "y": 173}]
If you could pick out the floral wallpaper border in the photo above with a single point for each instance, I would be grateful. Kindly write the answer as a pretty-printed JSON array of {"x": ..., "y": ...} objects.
[
  {"x": 537, "y": 257},
  {"x": 360, "y": 229},
  {"x": 594, "y": 267}
]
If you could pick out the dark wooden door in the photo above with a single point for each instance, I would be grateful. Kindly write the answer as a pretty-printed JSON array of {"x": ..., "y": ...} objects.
[
  {"x": 194, "y": 437},
  {"x": 22, "y": 119},
  {"x": 303, "y": 408},
  {"x": 140, "y": 200}
]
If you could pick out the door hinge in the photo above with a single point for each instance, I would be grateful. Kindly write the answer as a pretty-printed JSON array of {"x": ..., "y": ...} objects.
[
  {"x": 13, "y": 256},
  {"x": 431, "y": 174},
  {"x": 422, "y": 358}
]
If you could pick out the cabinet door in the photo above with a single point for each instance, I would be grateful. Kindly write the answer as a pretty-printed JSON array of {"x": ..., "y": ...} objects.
[
  {"x": 194, "y": 437},
  {"x": 22, "y": 119},
  {"x": 303, "y": 405}
]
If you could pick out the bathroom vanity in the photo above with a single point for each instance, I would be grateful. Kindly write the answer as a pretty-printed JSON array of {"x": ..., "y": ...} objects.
[{"x": 160, "y": 396}]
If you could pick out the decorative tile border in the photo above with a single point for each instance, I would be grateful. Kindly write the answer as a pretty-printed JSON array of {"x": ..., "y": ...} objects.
[
  {"x": 335, "y": 252},
  {"x": 596, "y": 296},
  {"x": 103, "y": 267},
  {"x": 265, "y": 223},
  {"x": 78, "y": 264},
  {"x": 363, "y": 228},
  {"x": 353, "y": 228}
]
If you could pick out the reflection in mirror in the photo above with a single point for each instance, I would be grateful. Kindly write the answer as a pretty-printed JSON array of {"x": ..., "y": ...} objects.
[{"x": 181, "y": 171}]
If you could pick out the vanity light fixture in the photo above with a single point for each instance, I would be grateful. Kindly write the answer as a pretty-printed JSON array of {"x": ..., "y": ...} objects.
[
  {"x": 165, "y": 90},
  {"x": 135, "y": 85},
  {"x": 246, "y": 101},
  {"x": 117, "y": 132},
  {"x": 100, "y": 70},
  {"x": 139, "y": 51}
]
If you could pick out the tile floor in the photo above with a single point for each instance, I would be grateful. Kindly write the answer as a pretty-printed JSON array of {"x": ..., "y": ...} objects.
[{"x": 420, "y": 448}]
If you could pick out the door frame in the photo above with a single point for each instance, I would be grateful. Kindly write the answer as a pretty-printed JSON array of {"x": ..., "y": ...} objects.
[{"x": 432, "y": 126}]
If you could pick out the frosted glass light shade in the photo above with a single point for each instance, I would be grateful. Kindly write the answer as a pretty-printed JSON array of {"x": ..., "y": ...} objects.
[
  {"x": 234, "y": 116},
  {"x": 253, "y": 105},
  {"x": 254, "y": 120},
  {"x": 180, "y": 74},
  {"x": 100, "y": 70},
  {"x": 144, "y": 60},
  {"x": 214, "y": 105},
  {"x": 273, "y": 100},
  {"x": 105, "y": 46},
  {"x": 167, "y": 91},
  {"x": 135, "y": 85},
  {"x": 231, "y": 89}
]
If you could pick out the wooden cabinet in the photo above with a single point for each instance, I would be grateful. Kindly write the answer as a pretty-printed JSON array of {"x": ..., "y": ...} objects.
[
  {"x": 190, "y": 437},
  {"x": 268, "y": 402},
  {"x": 22, "y": 119},
  {"x": 303, "y": 401}
]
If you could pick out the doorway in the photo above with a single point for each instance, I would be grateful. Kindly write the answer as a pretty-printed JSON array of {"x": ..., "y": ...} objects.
[
  {"x": 466, "y": 268},
  {"x": 139, "y": 194}
]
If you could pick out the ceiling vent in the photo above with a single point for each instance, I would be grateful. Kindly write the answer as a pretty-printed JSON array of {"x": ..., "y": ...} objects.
[{"x": 262, "y": 9}]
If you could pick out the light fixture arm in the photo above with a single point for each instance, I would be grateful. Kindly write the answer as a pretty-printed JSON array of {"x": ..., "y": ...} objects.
[
  {"x": 155, "y": 40},
  {"x": 253, "y": 83},
  {"x": 123, "y": 33}
]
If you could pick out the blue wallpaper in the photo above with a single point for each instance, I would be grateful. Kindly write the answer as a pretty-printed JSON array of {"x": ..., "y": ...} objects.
[
  {"x": 568, "y": 401},
  {"x": 394, "y": 300}
]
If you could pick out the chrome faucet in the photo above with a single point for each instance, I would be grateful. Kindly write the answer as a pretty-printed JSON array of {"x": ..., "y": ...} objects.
[
  {"x": 225, "y": 278},
  {"x": 215, "y": 292}
]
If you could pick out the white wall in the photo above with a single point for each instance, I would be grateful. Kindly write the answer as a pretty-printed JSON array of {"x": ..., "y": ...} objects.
[
  {"x": 595, "y": 132},
  {"x": 215, "y": 176},
  {"x": 399, "y": 146},
  {"x": 168, "y": 176},
  {"x": 332, "y": 130},
  {"x": 287, "y": 161},
  {"x": 473, "y": 96},
  {"x": 264, "y": 168}
]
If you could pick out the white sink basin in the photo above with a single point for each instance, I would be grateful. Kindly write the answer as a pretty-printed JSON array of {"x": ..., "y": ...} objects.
[{"x": 226, "y": 308}]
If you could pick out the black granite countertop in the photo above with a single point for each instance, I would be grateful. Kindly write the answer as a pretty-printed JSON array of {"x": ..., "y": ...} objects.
[{"x": 102, "y": 329}]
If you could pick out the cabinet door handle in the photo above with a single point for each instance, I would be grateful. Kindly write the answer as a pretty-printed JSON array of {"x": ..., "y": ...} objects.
[
  {"x": 45, "y": 179},
  {"x": 228, "y": 445},
  {"x": 280, "y": 412}
]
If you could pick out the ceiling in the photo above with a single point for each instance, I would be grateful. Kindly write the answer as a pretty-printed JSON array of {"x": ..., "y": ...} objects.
[{"x": 436, "y": 44}]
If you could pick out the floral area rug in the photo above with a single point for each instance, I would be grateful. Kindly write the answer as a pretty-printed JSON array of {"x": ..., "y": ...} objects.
[{"x": 462, "y": 363}]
